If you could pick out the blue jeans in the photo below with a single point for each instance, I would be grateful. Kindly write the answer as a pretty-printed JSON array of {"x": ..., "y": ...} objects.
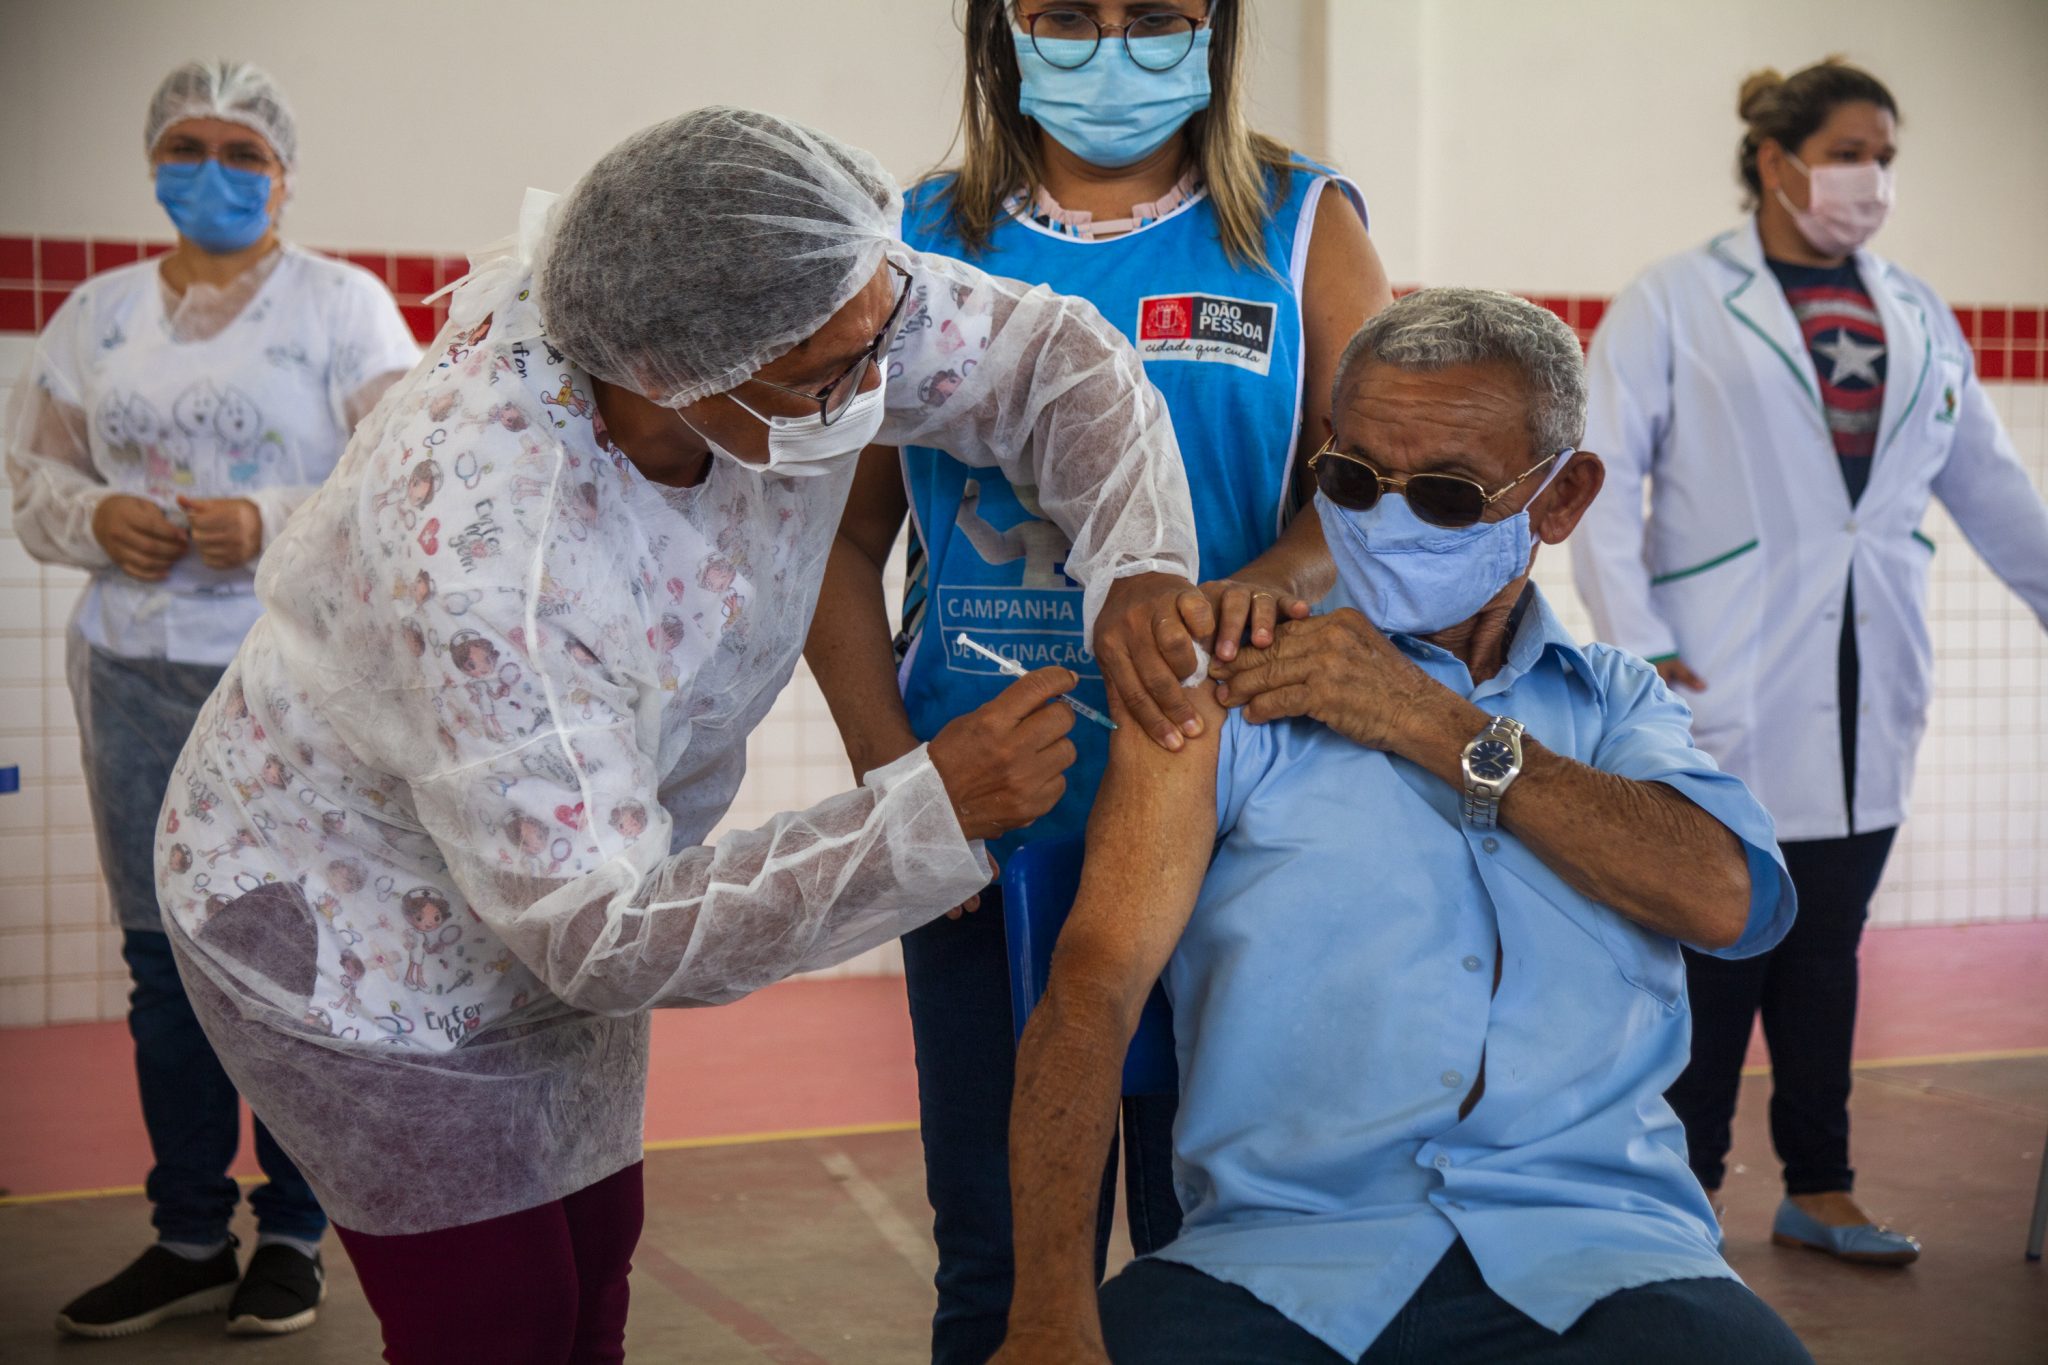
[
  {"x": 957, "y": 976},
  {"x": 194, "y": 1116},
  {"x": 135, "y": 717},
  {"x": 1162, "y": 1313},
  {"x": 138, "y": 713}
]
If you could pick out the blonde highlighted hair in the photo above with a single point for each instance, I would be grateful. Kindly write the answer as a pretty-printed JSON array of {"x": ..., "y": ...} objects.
[{"x": 1236, "y": 164}]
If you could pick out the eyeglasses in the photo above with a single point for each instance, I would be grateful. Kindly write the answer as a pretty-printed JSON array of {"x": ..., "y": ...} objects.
[
  {"x": 1448, "y": 500},
  {"x": 238, "y": 155},
  {"x": 1069, "y": 38},
  {"x": 837, "y": 396}
]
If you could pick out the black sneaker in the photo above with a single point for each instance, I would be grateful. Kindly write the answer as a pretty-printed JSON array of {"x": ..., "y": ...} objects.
[
  {"x": 281, "y": 1292},
  {"x": 157, "y": 1285}
]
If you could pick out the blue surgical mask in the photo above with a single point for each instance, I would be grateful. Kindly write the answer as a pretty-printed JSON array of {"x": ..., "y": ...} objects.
[
  {"x": 1412, "y": 578},
  {"x": 218, "y": 207},
  {"x": 1112, "y": 111}
]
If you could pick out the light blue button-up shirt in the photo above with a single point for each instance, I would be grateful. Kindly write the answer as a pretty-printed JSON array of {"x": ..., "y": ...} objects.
[{"x": 1333, "y": 1005}]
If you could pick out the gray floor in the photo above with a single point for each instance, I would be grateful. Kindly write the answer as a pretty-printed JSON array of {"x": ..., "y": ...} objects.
[{"x": 804, "y": 1252}]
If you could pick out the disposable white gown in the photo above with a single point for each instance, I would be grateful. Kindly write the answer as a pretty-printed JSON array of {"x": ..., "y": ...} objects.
[{"x": 433, "y": 849}]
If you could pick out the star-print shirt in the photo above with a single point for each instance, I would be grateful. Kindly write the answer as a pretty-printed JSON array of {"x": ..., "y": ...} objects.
[{"x": 1846, "y": 338}]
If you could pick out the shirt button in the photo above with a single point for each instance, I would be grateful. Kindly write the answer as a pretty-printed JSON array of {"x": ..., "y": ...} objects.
[
  {"x": 1451, "y": 1079},
  {"x": 1850, "y": 526},
  {"x": 1490, "y": 845},
  {"x": 1471, "y": 964},
  {"x": 1443, "y": 1163}
]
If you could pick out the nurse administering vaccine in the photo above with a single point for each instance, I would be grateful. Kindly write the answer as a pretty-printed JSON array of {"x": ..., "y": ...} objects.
[
  {"x": 175, "y": 413},
  {"x": 1794, "y": 401},
  {"x": 1108, "y": 157}
]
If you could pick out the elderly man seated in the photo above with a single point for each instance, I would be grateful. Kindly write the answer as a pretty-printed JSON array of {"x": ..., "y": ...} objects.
[{"x": 1419, "y": 905}]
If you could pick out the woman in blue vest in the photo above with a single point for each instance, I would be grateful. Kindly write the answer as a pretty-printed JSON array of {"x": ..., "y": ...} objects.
[{"x": 1107, "y": 158}]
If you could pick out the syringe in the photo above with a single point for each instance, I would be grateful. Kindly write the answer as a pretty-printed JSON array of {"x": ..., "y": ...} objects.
[{"x": 1012, "y": 669}]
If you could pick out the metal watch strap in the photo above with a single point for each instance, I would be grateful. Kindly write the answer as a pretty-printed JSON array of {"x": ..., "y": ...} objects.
[{"x": 1482, "y": 808}]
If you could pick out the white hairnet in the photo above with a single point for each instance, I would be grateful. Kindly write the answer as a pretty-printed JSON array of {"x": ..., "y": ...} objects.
[
  {"x": 701, "y": 249},
  {"x": 233, "y": 91}
]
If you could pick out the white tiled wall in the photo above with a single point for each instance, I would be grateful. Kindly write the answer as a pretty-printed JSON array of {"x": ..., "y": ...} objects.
[
  {"x": 59, "y": 957},
  {"x": 1973, "y": 850}
]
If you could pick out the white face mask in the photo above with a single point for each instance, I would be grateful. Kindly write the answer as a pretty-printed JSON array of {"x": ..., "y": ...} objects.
[
  {"x": 1845, "y": 205},
  {"x": 800, "y": 447}
]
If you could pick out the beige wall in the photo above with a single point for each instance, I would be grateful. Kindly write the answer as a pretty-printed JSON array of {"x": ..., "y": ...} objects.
[
  {"x": 1559, "y": 146},
  {"x": 421, "y": 123},
  {"x": 1552, "y": 147}
]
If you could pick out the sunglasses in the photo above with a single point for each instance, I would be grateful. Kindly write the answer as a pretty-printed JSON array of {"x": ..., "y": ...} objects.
[{"x": 1451, "y": 501}]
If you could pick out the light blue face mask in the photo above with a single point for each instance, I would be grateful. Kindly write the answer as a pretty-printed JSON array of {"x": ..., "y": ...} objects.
[
  {"x": 1412, "y": 578},
  {"x": 1112, "y": 111},
  {"x": 218, "y": 207}
]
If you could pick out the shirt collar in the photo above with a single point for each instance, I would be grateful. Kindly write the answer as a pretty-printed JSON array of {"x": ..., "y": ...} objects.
[{"x": 1533, "y": 632}]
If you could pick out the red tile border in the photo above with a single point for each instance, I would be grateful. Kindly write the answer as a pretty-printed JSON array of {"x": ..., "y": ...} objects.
[
  {"x": 2010, "y": 341},
  {"x": 412, "y": 276},
  {"x": 60, "y": 260},
  {"x": 17, "y": 310},
  {"x": 112, "y": 255},
  {"x": 18, "y": 258},
  {"x": 424, "y": 321},
  {"x": 378, "y": 263}
]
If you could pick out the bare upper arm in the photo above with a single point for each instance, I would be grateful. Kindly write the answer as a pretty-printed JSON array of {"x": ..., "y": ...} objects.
[
  {"x": 1343, "y": 285},
  {"x": 1149, "y": 839},
  {"x": 876, "y": 504}
]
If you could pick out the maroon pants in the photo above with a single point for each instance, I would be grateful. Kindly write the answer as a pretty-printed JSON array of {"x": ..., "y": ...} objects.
[{"x": 544, "y": 1286}]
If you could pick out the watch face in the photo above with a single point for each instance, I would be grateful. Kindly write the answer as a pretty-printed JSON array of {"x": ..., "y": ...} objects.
[{"x": 1490, "y": 760}]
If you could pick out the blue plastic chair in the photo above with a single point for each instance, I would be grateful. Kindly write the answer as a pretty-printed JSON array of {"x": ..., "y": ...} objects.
[{"x": 1039, "y": 883}]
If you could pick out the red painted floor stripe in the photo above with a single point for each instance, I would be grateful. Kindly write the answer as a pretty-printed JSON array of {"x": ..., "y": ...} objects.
[
  {"x": 814, "y": 1054},
  {"x": 708, "y": 1299}
]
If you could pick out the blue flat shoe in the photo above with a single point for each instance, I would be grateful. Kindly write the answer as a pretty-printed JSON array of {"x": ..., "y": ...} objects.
[{"x": 1863, "y": 1244}]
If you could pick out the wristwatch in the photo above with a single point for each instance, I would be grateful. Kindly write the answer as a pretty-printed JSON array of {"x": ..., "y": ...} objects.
[{"x": 1492, "y": 762}]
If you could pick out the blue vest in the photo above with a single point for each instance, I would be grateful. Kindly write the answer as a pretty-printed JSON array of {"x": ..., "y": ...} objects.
[{"x": 1223, "y": 343}]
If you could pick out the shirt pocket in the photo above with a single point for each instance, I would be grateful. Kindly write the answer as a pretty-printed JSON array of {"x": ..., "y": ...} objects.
[
  {"x": 1944, "y": 395},
  {"x": 1649, "y": 961}
]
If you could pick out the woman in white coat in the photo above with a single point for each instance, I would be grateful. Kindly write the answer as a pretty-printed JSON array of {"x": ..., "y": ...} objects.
[{"x": 1794, "y": 401}]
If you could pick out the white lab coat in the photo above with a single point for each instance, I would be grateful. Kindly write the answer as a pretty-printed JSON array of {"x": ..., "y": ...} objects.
[{"x": 1701, "y": 382}]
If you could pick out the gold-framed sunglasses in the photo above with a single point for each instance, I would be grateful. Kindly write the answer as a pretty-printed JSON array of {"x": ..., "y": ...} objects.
[{"x": 1451, "y": 501}]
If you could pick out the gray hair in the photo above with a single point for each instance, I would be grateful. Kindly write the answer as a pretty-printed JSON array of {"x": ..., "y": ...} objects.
[{"x": 1434, "y": 329}]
